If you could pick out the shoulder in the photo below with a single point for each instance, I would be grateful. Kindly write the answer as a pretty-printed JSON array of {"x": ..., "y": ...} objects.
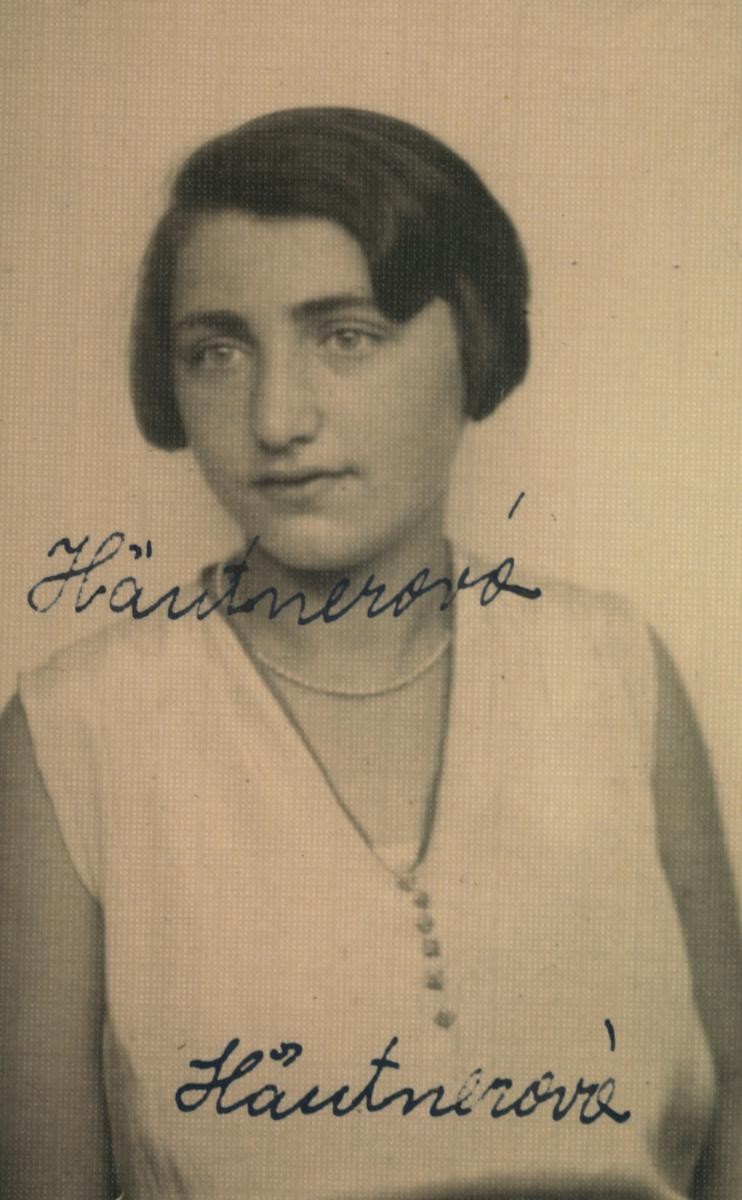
[
  {"x": 555, "y": 612},
  {"x": 93, "y": 719},
  {"x": 581, "y": 658},
  {"x": 122, "y": 664},
  {"x": 122, "y": 641},
  {"x": 554, "y": 596},
  {"x": 693, "y": 846},
  {"x": 94, "y": 706}
]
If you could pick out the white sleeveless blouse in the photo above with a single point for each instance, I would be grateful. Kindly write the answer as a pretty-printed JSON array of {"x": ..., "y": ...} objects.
[{"x": 240, "y": 903}]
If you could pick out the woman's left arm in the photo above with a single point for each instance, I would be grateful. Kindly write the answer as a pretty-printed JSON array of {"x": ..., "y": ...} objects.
[{"x": 693, "y": 852}]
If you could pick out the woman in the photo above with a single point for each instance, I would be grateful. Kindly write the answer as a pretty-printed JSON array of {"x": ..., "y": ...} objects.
[{"x": 344, "y": 906}]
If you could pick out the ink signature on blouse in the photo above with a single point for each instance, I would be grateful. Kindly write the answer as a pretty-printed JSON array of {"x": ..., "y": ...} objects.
[
  {"x": 126, "y": 594},
  {"x": 591, "y": 1101}
]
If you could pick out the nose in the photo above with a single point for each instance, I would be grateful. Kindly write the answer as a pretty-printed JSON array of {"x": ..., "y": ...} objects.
[{"x": 283, "y": 407}]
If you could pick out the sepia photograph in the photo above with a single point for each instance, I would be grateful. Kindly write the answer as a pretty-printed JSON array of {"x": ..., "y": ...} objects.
[{"x": 370, "y": 769}]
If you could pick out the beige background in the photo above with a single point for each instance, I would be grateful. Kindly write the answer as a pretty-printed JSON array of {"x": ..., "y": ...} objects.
[{"x": 609, "y": 130}]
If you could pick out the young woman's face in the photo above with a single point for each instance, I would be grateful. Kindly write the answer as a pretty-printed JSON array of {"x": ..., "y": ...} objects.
[{"x": 319, "y": 424}]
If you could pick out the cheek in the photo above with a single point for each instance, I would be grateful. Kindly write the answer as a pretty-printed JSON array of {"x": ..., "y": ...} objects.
[
  {"x": 415, "y": 452},
  {"x": 216, "y": 432},
  {"x": 221, "y": 460},
  {"x": 435, "y": 381},
  {"x": 432, "y": 415}
]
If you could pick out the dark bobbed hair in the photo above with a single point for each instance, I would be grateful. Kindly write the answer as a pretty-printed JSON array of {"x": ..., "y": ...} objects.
[{"x": 425, "y": 221}]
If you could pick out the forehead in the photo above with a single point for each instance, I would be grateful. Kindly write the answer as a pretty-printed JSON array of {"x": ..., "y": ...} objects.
[{"x": 236, "y": 260}]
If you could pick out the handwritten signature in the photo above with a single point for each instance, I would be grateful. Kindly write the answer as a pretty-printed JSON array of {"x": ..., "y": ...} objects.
[
  {"x": 591, "y": 1100},
  {"x": 126, "y": 594}
]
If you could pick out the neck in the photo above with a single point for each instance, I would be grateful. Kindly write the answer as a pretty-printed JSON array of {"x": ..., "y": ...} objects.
[{"x": 355, "y": 650}]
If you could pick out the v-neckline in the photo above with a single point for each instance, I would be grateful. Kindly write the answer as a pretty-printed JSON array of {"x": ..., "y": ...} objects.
[{"x": 302, "y": 757}]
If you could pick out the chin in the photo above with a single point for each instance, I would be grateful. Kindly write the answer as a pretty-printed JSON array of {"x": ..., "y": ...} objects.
[
  {"x": 319, "y": 547},
  {"x": 318, "y": 552}
]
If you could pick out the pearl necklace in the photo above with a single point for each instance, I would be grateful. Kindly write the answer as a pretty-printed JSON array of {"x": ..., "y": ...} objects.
[{"x": 358, "y": 693}]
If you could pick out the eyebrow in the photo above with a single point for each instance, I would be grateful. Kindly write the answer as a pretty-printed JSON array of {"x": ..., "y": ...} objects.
[
  {"x": 222, "y": 319},
  {"x": 227, "y": 321},
  {"x": 324, "y": 305}
]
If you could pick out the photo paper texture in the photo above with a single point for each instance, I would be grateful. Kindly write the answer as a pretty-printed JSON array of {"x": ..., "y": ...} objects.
[{"x": 371, "y": 587}]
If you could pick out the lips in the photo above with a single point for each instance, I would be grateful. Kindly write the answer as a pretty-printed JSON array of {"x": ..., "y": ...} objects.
[
  {"x": 292, "y": 488},
  {"x": 295, "y": 480}
]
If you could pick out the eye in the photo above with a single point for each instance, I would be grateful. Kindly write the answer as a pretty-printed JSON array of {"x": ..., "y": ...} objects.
[
  {"x": 351, "y": 341},
  {"x": 216, "y": 355}
]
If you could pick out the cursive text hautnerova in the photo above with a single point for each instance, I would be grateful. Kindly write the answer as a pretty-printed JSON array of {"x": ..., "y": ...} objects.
[
  {"x": 589, "y": 1101},
  {"x": 126, "y": 594}
]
